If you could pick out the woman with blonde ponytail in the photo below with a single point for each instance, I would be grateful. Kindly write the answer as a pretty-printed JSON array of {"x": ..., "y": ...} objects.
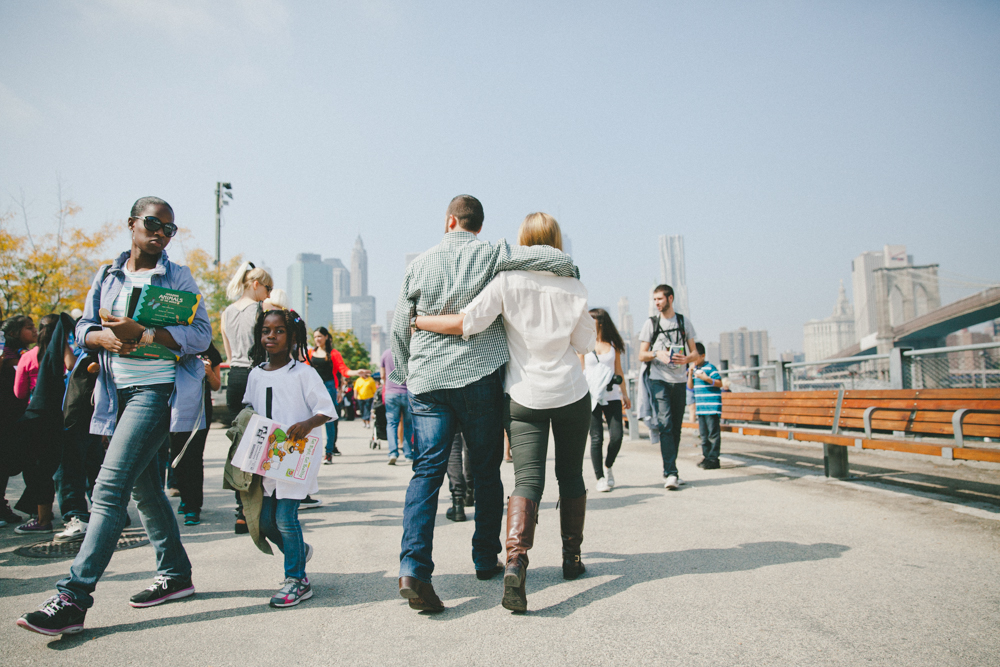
[{"x": 247, "y": 289}]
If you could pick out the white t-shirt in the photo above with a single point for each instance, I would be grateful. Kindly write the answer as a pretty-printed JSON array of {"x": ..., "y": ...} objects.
[
  {"x": 129, "y": 372},
  {"x": 547, "y": 324},
  {"x": 670, "y": 336},
  {"x": 297, "y": 394},
  {"x": 608, "y": 359}
]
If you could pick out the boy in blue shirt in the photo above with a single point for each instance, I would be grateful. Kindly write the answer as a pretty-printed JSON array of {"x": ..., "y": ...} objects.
[{"x": 706, "y": 382}]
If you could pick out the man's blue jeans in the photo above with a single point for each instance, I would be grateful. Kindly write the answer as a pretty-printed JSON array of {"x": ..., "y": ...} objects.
[
  {"x": 130, "y": 467},
  {"x": 279, "y": 519},
  {"x": 331, "y": 426},
  {"x": 476, "y": 409},
  {"x": 397, "y": 408},
  {"x": 669, "y": 400}
]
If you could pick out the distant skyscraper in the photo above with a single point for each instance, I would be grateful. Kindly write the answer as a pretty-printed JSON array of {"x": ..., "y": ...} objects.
[
  {"x": 627, "y": 330},
  {"x": 672, "y": 271},
  {"x": 359, "y": 269},
  {"x": 309, "y": 274},
  {"x": 823, "y": 339},
  {"x": 341, "y": 279},
  {"x": 738, "y": 347},
  {"x": 863, "y": 283}
]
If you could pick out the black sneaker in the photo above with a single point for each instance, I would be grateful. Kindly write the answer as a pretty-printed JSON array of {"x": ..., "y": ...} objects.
[
  {"x": 164, "y": 589},
  {"x": 336, "y": 452},
  {"x": 701, "y": 464},
  {"x": 58, "y": 616},
  {"x": 711, "y": 465},
  {"x": 9, "y": 515},
  {"x": 310, "y": 503},
  {"x": 192, "y": 518}
]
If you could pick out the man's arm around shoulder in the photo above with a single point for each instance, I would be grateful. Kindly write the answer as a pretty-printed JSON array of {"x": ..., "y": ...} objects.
[{"x": 534, "y": 258}]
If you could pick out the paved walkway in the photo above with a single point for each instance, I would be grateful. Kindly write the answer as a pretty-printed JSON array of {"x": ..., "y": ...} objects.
[{"x": 761, "y": 563}]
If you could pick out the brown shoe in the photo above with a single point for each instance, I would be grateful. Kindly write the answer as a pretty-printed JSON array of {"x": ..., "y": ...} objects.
[
  {"x": 571, "y": 518},
  {"x": 420, "y": 595},
  {"x": 522, "y": 515}
]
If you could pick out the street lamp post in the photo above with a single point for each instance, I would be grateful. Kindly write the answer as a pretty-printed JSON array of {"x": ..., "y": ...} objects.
[{"x": 223, "y": 194}]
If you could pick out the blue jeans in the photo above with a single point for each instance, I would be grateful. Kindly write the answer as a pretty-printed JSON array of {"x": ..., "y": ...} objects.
[
  {"x": 669, "y": 399},
  {"x": 397, "y": 408},
  {"x": 331, "y": 426},
  {"x": 130, "y": 467},
  {"x": 365, "y": 407},
  {"x": 279, "y": 520},
  {"x": 476, "y": 409}
]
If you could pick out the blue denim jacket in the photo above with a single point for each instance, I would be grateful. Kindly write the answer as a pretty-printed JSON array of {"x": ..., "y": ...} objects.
[{"x": 187, "y": 404}]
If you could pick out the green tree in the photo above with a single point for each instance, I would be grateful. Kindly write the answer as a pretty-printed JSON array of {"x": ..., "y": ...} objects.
[{"x": 355, "y": 354}]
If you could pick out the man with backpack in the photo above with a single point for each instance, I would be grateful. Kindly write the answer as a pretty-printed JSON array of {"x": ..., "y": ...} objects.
[{"x": 666, "y": 347}]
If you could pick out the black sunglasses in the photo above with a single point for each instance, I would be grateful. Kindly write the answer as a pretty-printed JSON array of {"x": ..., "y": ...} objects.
[{"x": 152, "y": 224}]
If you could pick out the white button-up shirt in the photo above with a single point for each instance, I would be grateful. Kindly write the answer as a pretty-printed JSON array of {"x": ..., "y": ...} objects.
[{"x": 547, "y": 325}]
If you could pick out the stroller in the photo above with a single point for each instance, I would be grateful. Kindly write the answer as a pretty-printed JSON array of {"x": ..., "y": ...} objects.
[{"x": 380, "y": 432}]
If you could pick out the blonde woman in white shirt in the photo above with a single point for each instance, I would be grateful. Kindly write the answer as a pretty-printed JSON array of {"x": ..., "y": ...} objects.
[{"x": 547, "y": 325}]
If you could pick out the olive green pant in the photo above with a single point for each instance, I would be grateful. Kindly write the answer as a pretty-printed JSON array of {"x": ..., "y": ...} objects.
[{"x": 529, "y": 444}]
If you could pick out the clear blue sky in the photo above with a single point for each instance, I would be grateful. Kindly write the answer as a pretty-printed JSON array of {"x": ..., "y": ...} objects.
[{"x": 781, "y": 139}]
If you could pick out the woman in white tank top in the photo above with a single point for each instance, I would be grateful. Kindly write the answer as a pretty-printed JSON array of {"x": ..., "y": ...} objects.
[{"x": 608, "y": 352}]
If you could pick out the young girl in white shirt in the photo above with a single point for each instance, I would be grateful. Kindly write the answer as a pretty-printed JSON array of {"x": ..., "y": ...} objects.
[{"x": 288, "y": 391}]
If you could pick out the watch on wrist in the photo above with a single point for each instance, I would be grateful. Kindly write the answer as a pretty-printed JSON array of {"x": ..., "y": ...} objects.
[{"x": 413, "y": 322}]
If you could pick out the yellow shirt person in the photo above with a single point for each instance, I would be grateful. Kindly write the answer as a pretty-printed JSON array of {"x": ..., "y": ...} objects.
[{"x": 365, "y": 388}]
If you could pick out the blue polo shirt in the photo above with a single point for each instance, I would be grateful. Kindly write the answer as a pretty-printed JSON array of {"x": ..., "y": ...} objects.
[{"x": 707, "y": 399}]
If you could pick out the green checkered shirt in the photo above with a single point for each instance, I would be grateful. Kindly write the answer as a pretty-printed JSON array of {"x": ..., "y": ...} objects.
[{"x": 442, "y": 281}]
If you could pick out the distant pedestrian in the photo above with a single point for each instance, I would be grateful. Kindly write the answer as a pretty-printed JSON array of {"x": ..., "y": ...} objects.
[
  {"x": 666, "y": 346},
  {"x": 330, "y": 365},
  {"x": 290, "y": 392},
  {"x": 705, "y": 380},
  {"x": 19, "y": 334},
  {"x": 612, "y": 399},
  {"x": 247, "y": 289},
  {"x": 397, "y": 412},
  {"x": 137, "y": 403},
  {"x": 364, "y": 391}
]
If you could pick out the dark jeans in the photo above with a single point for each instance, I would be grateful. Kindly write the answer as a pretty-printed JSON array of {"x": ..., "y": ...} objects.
[
  {"x": 236, "y": 388},
  {"x": 459, "y": 468},
  {"x": 669, "y": 400},
  {"x": 612, "y": 412},
  {"x": 130, "y": 468},
  {"x": 81, "y": 462},
  {"x": 189, "y": 475},
  {"x": 331, "y": 426},
  {"x": 711, "y": 436},
  {"x": 475, "y": 409},
  {"x": 529, "y": 446}
]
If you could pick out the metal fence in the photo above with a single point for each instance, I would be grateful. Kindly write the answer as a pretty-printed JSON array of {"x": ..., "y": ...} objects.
[
  {"x": 754, "y": 378},
  {"x": 870, "y": 372},
  {"x": 968, "y": 366}
]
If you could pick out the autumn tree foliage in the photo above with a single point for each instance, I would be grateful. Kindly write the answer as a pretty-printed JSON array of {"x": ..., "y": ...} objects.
[
  {"x": 212, "y": 281},
  {"x": 50, "y": 272}
]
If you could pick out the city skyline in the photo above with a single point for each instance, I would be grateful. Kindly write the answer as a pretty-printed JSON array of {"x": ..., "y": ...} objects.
[{"x": 781, "y": 144}]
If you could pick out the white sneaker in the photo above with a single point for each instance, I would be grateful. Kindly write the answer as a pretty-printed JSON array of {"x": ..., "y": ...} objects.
[
  {"x": 610, "y": 476},
  {"x": 74, "y": 531},
  {"x": 602, "y": 485},
  {"x": 392, "y": 460},
  {"x": 672, "y": 482}
]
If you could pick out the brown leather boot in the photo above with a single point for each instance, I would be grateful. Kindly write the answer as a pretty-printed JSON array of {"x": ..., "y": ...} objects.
[
  {"x": 522, "y": 515},
  {"x": 571, "y": 516}
]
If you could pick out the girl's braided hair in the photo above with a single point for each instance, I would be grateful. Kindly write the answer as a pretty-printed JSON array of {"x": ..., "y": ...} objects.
[{"x": 298, "y": 337}]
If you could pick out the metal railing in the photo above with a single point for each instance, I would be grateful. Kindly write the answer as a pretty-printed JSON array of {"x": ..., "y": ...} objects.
[
  {"x": 753, "y": 378},
  {"x": 966, "y": 366},
  {"x": 868, "y": 372}
]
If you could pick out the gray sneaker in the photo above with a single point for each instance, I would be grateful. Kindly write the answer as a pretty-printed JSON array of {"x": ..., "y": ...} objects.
[
  {"x": 292, "y": 592},
  {"x": 74, "y": 531}
]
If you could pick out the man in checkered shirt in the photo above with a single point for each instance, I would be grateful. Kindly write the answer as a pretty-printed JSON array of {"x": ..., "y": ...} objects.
[{"x": 456, "y": 384}]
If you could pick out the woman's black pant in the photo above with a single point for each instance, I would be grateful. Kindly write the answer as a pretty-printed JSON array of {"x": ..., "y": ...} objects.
[
  {"x": 236, "y": 388},
  {"x": 189, "y": 475},
  {"x": 612, "y": 412}
]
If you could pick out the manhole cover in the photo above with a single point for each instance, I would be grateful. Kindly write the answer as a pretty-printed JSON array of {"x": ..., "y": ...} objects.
[{"x": 131, "y": 537}]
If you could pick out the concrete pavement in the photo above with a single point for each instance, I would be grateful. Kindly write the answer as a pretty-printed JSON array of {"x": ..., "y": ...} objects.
[{"x": 763, "y": 562}]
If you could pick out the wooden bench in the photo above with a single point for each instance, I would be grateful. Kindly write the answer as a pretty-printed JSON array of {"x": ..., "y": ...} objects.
[{"x": 824, "y": 416}]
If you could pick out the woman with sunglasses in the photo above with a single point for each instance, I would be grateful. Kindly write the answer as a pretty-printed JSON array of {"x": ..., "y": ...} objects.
[{"x": 137, "y": 403}]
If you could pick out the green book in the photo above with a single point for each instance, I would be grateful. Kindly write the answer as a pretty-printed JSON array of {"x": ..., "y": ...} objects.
[{"x": 162, "y": 307}]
